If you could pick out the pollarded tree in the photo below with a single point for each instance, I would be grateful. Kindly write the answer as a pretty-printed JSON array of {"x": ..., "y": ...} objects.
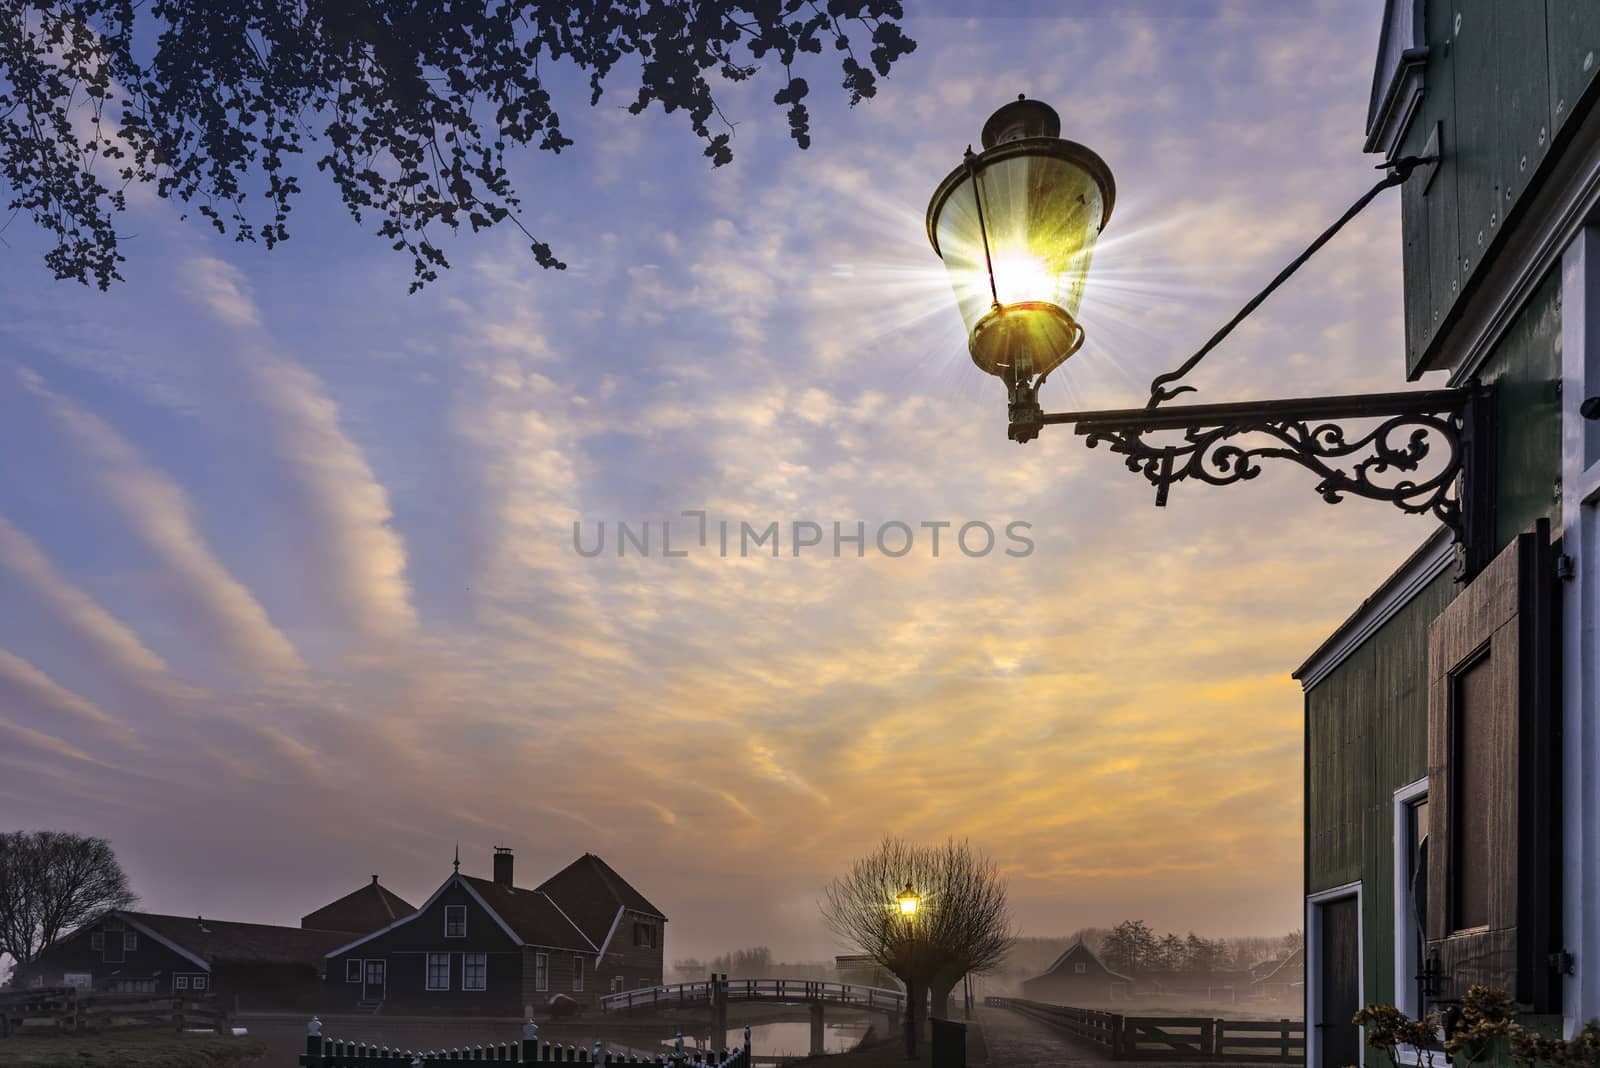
[
  {"x": 52, "y": 882},
  {"x": 962, "y": 926},
  {"x": 409, "y": 106}
]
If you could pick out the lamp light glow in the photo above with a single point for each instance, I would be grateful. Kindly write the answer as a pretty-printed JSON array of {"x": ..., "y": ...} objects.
[
  {"x": 1016, "y": 227},
  {"x": 909, "y": 902}
]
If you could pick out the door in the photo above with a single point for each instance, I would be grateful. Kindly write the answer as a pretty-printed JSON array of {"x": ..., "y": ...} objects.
[
  {"x": 376, "y": 978},
  {"x": 1338, "y": 983}
]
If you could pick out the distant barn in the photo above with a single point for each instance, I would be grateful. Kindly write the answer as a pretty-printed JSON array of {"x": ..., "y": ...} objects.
[{"x": 1078, "y": 978}]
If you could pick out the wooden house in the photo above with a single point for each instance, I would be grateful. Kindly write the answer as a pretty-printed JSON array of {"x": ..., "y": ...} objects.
[
  {"x": 1452, "y": 787},
  {"x": 248, "y": 966},
  {"x": 1080, "y": 979},
  {"x": 491, "y": 948}
]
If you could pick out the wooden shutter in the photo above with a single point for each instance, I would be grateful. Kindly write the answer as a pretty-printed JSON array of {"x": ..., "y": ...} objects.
[{"x": 1493, "y": 785}]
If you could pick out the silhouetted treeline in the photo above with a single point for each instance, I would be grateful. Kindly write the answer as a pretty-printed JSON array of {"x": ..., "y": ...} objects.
[{"x": 753, "y": 963}]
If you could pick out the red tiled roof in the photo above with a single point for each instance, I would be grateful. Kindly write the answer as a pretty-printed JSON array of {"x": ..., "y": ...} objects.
[
  {"x": 368, "y": 909},
  {"x": 590, "y": 892},
  {"x": 255, "y": 943},
  {"x": 532, "y": 915}
]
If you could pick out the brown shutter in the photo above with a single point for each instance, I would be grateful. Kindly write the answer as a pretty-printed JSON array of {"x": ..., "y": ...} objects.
[{"x": 1493, "y": 787}]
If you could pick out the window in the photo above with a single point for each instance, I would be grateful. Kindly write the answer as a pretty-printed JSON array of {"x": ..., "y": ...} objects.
[
  {"x": 644, "y": 934},
  {"x": 438, "y": 977},
  {"x": 1080, "y": 969},
  {"x": 81, "y": 980},
  {"x": 199, "y": 982},
  {"x": 1474, "y": 763},
  {"x": 180, "y": 983},
  {"x": 455, "y": 921},
  {"x": 1493, "y": 828},
  {"x": 352, "y": 971},
  {"x": 617, "y": 985},
  {"x": 577, "y": 973},
  {"x": 541, "y": 971},
  {"x": 97, "y": 941},
  {"x": 130, "y": 940},
  {"x": 475, "y": 971}
]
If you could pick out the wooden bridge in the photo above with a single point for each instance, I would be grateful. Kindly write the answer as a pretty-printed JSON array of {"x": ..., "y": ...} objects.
[
  {"x": 717, "y": 992},
  {"x": 712, "y": 992}
]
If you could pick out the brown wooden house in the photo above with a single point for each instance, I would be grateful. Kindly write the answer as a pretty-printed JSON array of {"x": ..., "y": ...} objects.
[
  {"x": 488, "y": 947},
  {"x": 1078, "y": 978},
  {"x": 248, "y": 966}
]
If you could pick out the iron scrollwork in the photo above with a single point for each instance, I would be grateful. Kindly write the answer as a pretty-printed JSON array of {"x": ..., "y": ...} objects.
[{"x": 1411, "y": 452}]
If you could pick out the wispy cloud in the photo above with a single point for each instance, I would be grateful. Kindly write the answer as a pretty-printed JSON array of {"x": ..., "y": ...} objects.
[
  {"x": 362, "y": 557},
  {"x": 161, "y": 517}
]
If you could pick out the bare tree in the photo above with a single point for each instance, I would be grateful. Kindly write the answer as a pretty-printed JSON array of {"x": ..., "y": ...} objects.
[
  {"x": 963, "y": 925},
  {"x": 52, "y": 882}
]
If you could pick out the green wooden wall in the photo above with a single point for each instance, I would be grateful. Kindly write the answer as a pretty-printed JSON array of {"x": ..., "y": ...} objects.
[
  {"x": 1503, "y": 79},
  {"x": 1525, "y": 369},
  {"x": 1367, "y": 735},
  {"x": 1367, "y": 721}
]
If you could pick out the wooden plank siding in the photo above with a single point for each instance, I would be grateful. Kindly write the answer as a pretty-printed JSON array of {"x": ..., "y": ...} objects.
[
  {"x": 1502, "y": 85},
  {"x": 1525, "y": 369},
  {"x": 1366, "y": 736}
]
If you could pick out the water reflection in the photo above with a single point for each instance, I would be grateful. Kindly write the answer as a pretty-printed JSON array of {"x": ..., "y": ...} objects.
[{"x": 776, "y": 1042}]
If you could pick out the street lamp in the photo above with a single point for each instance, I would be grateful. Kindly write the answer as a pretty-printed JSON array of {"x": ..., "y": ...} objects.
[
  {"x": 1016, "y": 227},
  {"x": 909, "y": 902}
]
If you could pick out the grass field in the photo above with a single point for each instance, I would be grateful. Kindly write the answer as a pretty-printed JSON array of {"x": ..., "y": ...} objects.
[{"x": 132, "y": 1050}]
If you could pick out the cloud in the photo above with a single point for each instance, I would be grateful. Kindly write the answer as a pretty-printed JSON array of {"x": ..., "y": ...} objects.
[
  {"x": 161, "y": 517},
  {"x": 113, "y": 642},
  {"x": 362, "y": 557},
  {"x": 26, "y": 686}
]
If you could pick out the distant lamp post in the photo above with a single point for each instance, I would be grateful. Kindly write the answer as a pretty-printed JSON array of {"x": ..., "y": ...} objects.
[
  {"x": 1016, "y": 226},
  {"x": 909, "y": 902}
]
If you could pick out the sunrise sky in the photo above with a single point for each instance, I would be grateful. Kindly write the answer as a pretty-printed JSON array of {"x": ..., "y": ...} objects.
[{"x": 288, "y": 593}]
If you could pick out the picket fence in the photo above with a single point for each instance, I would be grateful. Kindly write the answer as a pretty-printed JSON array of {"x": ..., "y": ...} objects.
[{"x": 324, "y": 1052}]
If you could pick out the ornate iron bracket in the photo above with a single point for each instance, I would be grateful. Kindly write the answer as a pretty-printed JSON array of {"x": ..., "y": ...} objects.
[{"x": 1426, "y": 452}]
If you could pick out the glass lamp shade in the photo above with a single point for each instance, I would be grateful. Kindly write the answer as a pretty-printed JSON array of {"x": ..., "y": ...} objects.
[{"x": 1043, "y": 204}]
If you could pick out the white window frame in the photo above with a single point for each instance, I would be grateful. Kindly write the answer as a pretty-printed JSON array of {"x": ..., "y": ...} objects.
[
  {"x": 428, "y": 963},
  {"x": 577, "y": 973},
  {"x": 97, "y": 941},
  {"x": 354, "y": 969},
  {"x": 541, "y": 971},
  {"x": 483, "y": 976},
  {"x": 180, "y": 982},
  {"x": 1407, "y": 965},
  {"x": 1080, "y": 968},
  {"x": 1313, "y": 1013},
  {"x": 618, "y": 984},
  {"x": 1580, "y": 615},
  {"x": 448, "y": 911},
  {"x": 130, "y": 941},
  {"x": 199, "y": 983}
]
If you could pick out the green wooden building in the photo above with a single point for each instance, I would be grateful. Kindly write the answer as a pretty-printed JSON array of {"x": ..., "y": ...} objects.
[{"x": 1452, "y": 818}]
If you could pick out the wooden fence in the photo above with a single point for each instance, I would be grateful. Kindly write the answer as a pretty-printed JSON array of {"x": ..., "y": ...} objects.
[
  {"x": 324, "y": 1052},
  {"x": 1171, "y": 1038},
  {"x": 50, "y": 1010}
]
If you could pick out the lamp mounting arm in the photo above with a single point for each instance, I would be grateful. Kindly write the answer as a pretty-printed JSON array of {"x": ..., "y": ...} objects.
[
  {"x": 1399, "y": 170},
  {"x": 1424, "y": 451}
]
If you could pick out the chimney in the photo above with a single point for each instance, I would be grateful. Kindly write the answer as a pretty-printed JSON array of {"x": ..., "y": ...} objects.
[
  {"x": 374, "y": 880},
  {"x": 502, "y": 866}
]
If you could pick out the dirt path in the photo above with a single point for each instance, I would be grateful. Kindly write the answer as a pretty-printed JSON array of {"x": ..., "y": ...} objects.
[{"x": 1017, "y": 1041}]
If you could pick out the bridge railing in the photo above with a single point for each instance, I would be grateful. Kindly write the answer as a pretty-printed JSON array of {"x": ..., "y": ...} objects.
[{"x": 788, "y": 990}]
